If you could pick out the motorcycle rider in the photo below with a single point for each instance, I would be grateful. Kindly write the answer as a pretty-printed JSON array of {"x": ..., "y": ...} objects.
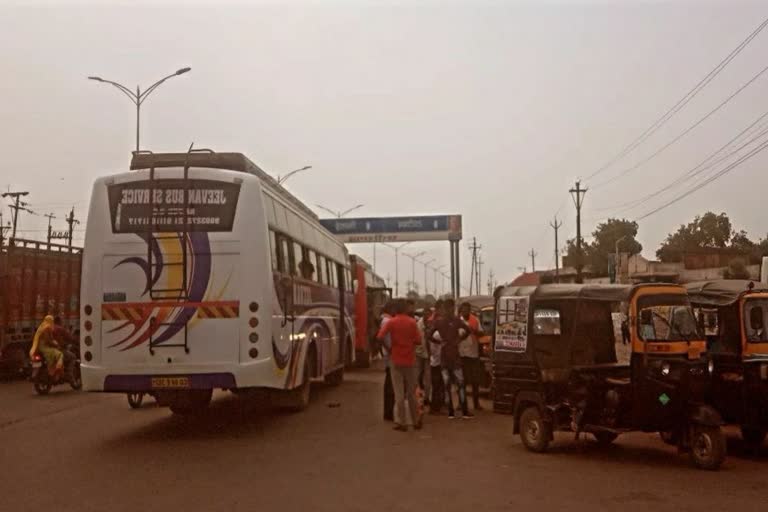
[
  {"x": 64, "y": 338},
  {"x": 46, "y": 345}
]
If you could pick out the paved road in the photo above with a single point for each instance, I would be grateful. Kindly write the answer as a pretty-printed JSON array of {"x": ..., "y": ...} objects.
[{"x": 98, "y": 455}]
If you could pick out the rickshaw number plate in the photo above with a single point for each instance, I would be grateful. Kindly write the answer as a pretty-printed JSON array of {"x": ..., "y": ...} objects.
[{"x": 170, "y": 382}]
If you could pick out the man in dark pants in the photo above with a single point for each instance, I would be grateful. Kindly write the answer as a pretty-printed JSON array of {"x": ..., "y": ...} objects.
[
  {"x": 469, "y": 349},
  {"x": 386, "y": 347},
  {"x": 438, "y": 396},
  {"x": 449, "y": 331}
]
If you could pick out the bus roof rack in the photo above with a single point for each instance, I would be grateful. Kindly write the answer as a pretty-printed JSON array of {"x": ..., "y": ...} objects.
[{"x": 204, "y": 157}]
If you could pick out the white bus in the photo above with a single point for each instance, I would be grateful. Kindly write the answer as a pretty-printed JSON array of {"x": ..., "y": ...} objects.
[{"x": 201, "y": 272}]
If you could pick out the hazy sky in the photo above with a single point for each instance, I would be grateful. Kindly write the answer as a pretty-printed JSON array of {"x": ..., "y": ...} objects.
[{"x": 488, "y": 109}]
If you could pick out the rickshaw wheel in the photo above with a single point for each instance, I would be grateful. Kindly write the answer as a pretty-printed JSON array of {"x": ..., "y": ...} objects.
[
  {"x": 534, "y": 431},
  {"x": 707, "y": 447},
  {"x": 752, "y": 436},
  {"x": 605, "y": 438}
]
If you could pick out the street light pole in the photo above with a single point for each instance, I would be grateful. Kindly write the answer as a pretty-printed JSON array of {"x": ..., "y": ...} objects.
[
  {"x": 139, "y": 97},
  {"x": 396, "y": 248},
  {"x": 339, "y": 214},
  {"x": 283, "y": 179},
  {"x": 616, "y": 261},
  {"x": 426, "y": 264},
  {"x": 413, "y": 265},
  {"x": 437, "y": 269}
]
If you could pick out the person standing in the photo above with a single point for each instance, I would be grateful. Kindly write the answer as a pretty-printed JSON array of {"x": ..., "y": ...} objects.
[
  {"x": 386, "y": 347},
  {"x": 469, "y": 350},
  {"x": 449, "y": 331},
  {"x": 424, "y": 377},
  {"x": 438, "y": 395},
  {"x": 404, "y": 335}
]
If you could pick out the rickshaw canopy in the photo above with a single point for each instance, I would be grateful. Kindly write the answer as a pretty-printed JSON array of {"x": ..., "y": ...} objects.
[
  {"x": 721, "y": 292},
  {"x": 567, "y": 292}
]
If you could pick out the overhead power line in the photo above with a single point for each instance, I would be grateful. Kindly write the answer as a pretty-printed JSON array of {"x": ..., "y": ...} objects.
[
  {"x": 702, "y": 166},
  {"x": 720, "y": 174},
  {"x": 656, "y": 125},
  {"x": 684, "y": 132}
]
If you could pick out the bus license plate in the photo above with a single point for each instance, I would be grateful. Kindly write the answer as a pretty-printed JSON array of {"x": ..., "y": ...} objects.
[{"x": 170, "y": 382}]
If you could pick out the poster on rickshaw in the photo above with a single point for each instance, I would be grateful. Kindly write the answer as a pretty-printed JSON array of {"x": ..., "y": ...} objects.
[{"x": 512, "y": 324}]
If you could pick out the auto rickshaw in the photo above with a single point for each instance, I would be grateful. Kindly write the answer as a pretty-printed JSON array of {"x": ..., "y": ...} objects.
[
  {"x": 733, "y": 314},
  {"x": 558, "y": 367}
]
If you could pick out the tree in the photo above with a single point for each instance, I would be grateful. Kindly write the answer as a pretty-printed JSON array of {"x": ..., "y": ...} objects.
[
  {"x": 708, "y": 231},
  {"x": 737, "y": 269},
  {"x": 597, "y": 253},
  {"x": 604, "y": 241}
]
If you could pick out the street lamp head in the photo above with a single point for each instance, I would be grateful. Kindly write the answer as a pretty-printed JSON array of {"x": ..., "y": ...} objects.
[
  {"x": 183, "y": 70},
  {"x": 97, "y": 78}
]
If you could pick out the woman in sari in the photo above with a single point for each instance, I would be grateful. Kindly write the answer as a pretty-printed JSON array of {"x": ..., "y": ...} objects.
[{"x": 46, "y": 345}]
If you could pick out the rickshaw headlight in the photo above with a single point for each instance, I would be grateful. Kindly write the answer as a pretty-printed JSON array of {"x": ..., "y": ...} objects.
[
  {"x": 711, "y": 366},
  {"x": 665, "y": 369}
]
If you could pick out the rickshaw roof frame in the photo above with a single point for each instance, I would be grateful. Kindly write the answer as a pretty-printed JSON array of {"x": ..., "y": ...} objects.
[
  {"x": 722, "y": 292},
  {"x": 592, "y": 292}
]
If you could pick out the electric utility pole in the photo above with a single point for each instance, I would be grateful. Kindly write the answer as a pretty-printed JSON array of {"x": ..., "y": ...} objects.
[
  {"x": 71, "y": 221},
  {"x": 533, "y": 255},
  {"x": 50, "y": 217},
  {"x": 556, "y": 226},
  {"x": 578, "y": 193},
  {"x": 474, "y": 247},
  {"x": 17, "y": 205},
  {"x": 480, "y": 263}
]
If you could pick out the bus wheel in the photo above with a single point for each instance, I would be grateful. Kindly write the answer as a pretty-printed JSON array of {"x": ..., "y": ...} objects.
[
  {"x": 298, "y": 398},
  {"x": 534, "y": 432},
  {"x": 605, "y": 438},
  {"x": 135, "y": 400},
  {"x": 707, "y": 447},
  {"x": 335, "y": 378},
  {"x": 191, "y": 402},
  {"x": 752, "y": 436}
]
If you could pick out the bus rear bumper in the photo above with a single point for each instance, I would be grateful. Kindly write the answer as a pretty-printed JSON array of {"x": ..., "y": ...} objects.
[
  {"x": 126, "y": 383},
  {"x": 147, "y": 379}
]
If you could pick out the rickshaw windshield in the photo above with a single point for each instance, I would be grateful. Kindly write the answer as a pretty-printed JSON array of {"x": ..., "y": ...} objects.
[
  {"x": 666, "y": 318},
  {"x": 486, "y": 320},
  {"x": 755, "y": 316}
]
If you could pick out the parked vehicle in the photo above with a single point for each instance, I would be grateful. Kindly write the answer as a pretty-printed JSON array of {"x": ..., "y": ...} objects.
[
  {"x": 734, "y": 316},
  {"x": 557, "y": 367},
  {"x": 371, "y": 293},
  {"x": 36, "y": 278},
  {"x": 43, "y": 381},
  {"x": 202, "y": 272}
]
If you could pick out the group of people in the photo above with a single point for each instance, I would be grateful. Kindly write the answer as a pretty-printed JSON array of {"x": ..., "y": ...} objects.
[{"x": 427, "y": 357}]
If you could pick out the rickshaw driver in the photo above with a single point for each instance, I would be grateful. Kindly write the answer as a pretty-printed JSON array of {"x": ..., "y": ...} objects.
[
  {"x": 756, "y": 327},
  {"x": 647, "y": 329}
]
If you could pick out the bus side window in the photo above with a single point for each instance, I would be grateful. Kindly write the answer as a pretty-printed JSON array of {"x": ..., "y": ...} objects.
[
  {"x": 274, "y": 251},
  {"x": 285, "y": 264},
  {"x": 319, "y": 265},
  {"x": 331, "y": 266},
  {"x": 310, "y": 266},
  {"x": 298, "y": 258},
  {"x": 348, "y": 275}
]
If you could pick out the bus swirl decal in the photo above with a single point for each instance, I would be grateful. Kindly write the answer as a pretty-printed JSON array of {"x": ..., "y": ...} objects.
[{"x": 177, "y": 314}]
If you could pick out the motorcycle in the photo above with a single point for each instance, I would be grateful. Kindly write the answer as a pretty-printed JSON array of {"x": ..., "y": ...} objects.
[{"x": 44, "y": 381}]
